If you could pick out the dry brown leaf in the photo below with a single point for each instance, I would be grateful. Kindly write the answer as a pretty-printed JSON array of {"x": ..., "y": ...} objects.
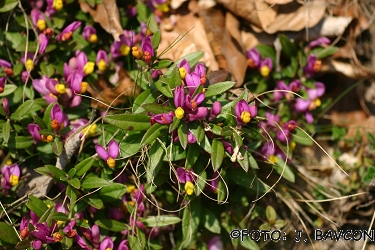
[
  {"x": 107, "y": 93},
  {"x": 107, "y": 15},
  {"x": 228, "y": 51},
  {"x": 195, "y": 40},
  {"x": 256, "y": 12}
]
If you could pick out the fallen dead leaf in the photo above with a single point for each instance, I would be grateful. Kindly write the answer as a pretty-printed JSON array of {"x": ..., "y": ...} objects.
[
  {"x": 107, "y": 15},
  {"x": 104, "y": 91}
]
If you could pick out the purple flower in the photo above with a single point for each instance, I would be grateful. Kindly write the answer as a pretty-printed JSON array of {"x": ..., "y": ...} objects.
[
  {"x": 138, "y": 194},
  {"x": 102, "y": 60},
  {"x": 5, "y": 64},
  {"x": 213, "y": 183},
  {"x": 294, "y": 86},
  {"x": 244, "y": 112},
  {"x": 69, "y": 229},
  {"x": 253, "y": 58},
  {"x": 313, "y": 66},
  {"x": 2, "y": 84},
  {"x": 191, "y": 138},
  {"x": 122, "y": 47},
  {"x": 106, "y": 243},
  {"x": 110, "y": 155},
  {"x": 38, "y": 19},
  {"x": 191, "y": 104},
  {"x": 215, "y": 111},
  {"x": 192, "y": 82},
  {"x": 11, "y": 174},
  {"x": 42, "y": 232},
  {"x": 187, "y": 177},
  {"x": 34, "y": 131},
  {"x": 184, "y": 68},
  {"x": 131, "y": 11},
  {"x": 155, "y": 73},
  {"x": 6, "y": 106},
  {"x": 89, "y": 33},
  {"x": 265, "y": 67},
  {"x": 148, "y": 50},
  {"x": 123, "y": 245},
  {"x": 199, "y": 114},
  {"x": 227, "y": 146},
  {"x": 215, "y": 243},
  {"x": 43, "y": 42},
  {"x": 67, "y": 33},
  {"x": 163, "y": 118},
  {"x": 284, "y": 134},
  {"x": 24, "y": 228},
  {"x": 57, "y": 117},
  {"x": 322, "y": 41},
  {"x": 36, "y": 244},
  {"x": 312, "y": 103}
]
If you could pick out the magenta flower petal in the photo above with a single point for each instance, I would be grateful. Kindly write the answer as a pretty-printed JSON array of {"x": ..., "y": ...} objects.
[
  {"x": 101, "y": 152},
  {"x": 319, "y": 42},
  {"x": 253, "y": 110},
  {"x": 95, "y": 233},
  {"x": 254, "y": 58},
  {"x": 192, "y": 82},
  {"x": 179, "y": 96},
  {"x": 43, "y": 42},
  {"x": 191, "y": 138},
  {"x": 200, "y": 70},
  {"x": 113, "y": 149},
  {"x": 5, "y": 64},
  {"x": 56, "y": 113},
  {"x": 199, "y": 114},
  {"x": 147, "y": 46},
  {"x": 278, "y": 95},
  {"x": 317, "y": 92},
  {"x": 185, "y": 64},
  {"x": 70, "y": 28},
  {"x": 123, "y": 245},
  {"x": 309, "y": 117},
  {"x": 106, "y": 243},
  {"x": 181, "y": 173},
  {"x": 302, "y": 105}
]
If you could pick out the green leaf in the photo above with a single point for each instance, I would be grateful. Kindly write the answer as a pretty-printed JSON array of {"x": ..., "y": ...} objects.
[
  {"x": 155, "y": 153},
  {"x": 192, "y": 59},
  {"x": 369, "y": 175},
  {"x": 152, "y": 133},
  {"x": 42, "y": 125},
  {"x": 182, "y": 135},
  {"x": 23, "y": 244},
  {"x": 217, "y": 155},
  {"x": 94, "y": 201},
  {"x": 324, "y": 52},
  {"x": 175, "y": 152},
  {"x": 8, "y": 234},
  {"x": 130, "y": 145},
  {"x": 190, "y": 221},
  {"x": 46, "y": 217},
  {"x": 197, "y": 131},
  {"x": 163, "y": 87},
  {"x": 201, "y": 182},
  {"x": 267, "y": 51},
  {"x": 270, "y": 213},
  {"x": 17, "y": 68},
  {"x": 6, "y": 131},
  {"x": 72, "y": 194},
  {"x": 60, "y": 216},
  {"x": 155, "y": 40},
  {"x": 75, "y": 183},
  {"x": 173, "y": 79},
  {"x": 288, "y": 172},
  {"x": 59, "y": 19},
  {"x": 140, "y": 63},
  {"x": 156, "y": 108},
  {"x": 132, "y": 122},
  {"x": 253, "y": 163},
  {"x": 112, "y": 225},
  {"x": 243, "y": 159},
  {"x": 160, "y": 221},
  {"x": 113, "y": 192},
  {"x": 218, "y": 88},
  {"x": 36, "y": 205},
  {"x": 279, "y": 224},
  {"x": 301, "y": 138},
  {"x": 66, "y": 242},
  {"x": 47, "y": 69},
  {"x": 289, "y": 48},
  {"x": 20, "y": 142},
  {"x": 22, "y": 110},
  {"x": 56, "y": 172},
  {"x": 8, "y": 89},
  {"x": 162, "y": 64},
  {"x": 145, "y": 97},
  {"x": 174, "y": 125},
  {"x": 8, "y": 5},
  {"x": 211, "y": 223},
  {"x": 205, "y": 144},
  {"x": 57, "y": 146},
  {"x": 84, "y": 166},
  {"x": 193, "y": 153},
  {"x": 94, "y": 182}
]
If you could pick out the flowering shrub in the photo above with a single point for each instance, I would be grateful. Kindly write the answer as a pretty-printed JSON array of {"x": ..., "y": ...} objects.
[{"x": 175, "y": 165}]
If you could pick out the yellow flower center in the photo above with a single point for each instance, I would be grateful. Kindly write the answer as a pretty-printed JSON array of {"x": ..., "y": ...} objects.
[
  {"x": 245, "y": 117},
  {"x": 317, "y": 102},
  {"x": 182, "y": 72},
  {"x": 108, "y": 248},
  {"x": 111, "y": 162},
  {"x": 41, "y": 24},
  {"x": 130, "y": 188},
  {"x": 52, "y": 95},
  {"x": 189, "y": 187},
  {"x": 13, "y": 179},
  {"x": 84, "y": 87},
  {"x": 136, "y": 52},
  {"x": 179, "y": 112},
  {"x": 124, "y": 49},
  {"x": 273, "y": 159},
  {"x": 102, "y": 65},
  {"x": 8, "y": 162},
  {"x": 29, "y": 65},
  {"x": 57, "y": 4},
  {"x": 60, "y": 88},
  {"x": 163, "y": 7},
  {"x": 60, "y": 222},
  {"x": 292, "y": 145},
  {"x": 89, "y": 68},
  {"x": 93, "y": 38},
  {"x": 265, "y": 71},
  {"x": 314, "y": 104},
  {"x": 90, "y": 130}
]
